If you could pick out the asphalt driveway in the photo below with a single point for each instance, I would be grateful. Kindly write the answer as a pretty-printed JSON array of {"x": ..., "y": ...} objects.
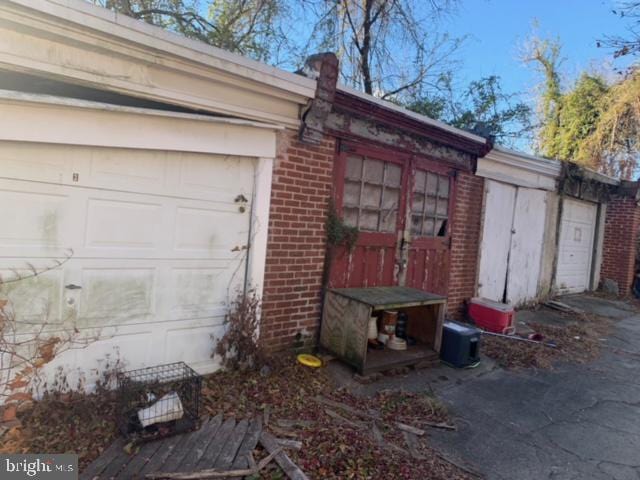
[
  {"x": 574, "y": 422},
  {"x": 577, "y": 421}
]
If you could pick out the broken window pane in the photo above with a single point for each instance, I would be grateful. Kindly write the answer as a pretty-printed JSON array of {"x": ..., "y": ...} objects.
[
  {"x": 388, "y": 221},
  {"x": 441, "y": 227}
]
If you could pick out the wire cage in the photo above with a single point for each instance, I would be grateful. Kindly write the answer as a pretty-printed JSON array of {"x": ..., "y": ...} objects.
[{"x": 158, "y": 401}]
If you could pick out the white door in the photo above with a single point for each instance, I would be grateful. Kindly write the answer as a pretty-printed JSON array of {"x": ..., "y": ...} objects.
[
  {"x": 512, "y": 242},
  {"x": 159, "y": 241},
  {"x": 496, "y": 239},
  {"x": 575, "y": 251},
  {"x": 525, "y": 255}
]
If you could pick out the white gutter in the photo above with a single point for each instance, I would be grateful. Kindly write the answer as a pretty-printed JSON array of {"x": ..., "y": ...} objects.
[{"x": 36, "y": 98}]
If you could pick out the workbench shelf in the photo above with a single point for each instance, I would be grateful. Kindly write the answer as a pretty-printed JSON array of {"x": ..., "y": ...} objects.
[{"x": 345, "y": 323}]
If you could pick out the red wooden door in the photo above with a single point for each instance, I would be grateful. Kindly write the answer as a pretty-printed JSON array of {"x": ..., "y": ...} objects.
[
  {"x": 370, "y": 192},
  {"x": 429, "y": 227},
  {"x": 401, "y": 207}
]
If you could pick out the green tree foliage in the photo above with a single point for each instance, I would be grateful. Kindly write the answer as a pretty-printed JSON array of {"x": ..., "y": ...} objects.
[
  {"x": 614, "y": 144},
  {"x": 594, "y": 122},
  {"x": 545, "y": 55},
  {"x": 482, "y": 107},
  {"x": 579, "y": 117}
]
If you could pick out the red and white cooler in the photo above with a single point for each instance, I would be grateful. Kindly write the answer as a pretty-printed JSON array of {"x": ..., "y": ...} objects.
[{"x": 492, "y": 316}]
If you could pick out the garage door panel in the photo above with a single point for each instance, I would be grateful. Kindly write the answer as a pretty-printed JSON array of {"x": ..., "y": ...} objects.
[
  {"x": 158, "y": 240},
  {"x": 28, "y": 218},
  {"x": 525, "y": 256},
  {"x": 222, "y": 181},
  {"x": 128, "y": 170},
  {"x": 112, "y": 296},
  {"x": 37, "y": 162},
  {"x": 496, "y": 239},
  {"x": 120, "y": 224},
  {"x": 577, "y": 232},
  {"x": 34, "y": 300},
  {"x": 210, "y": 232},
  {"x": 200, "y": 292}
]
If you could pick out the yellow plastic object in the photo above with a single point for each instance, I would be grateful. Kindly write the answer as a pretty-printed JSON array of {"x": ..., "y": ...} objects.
[{"x": 309, "y": 360}]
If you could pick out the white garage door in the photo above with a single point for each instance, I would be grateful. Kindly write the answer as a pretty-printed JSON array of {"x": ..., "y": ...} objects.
[
  {"x": 158, "y": 240},
  {"x": 575, "y": 250},
  {"x": 512, "y": 242}
]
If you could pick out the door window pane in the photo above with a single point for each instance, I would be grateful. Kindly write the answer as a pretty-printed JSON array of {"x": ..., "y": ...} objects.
[
  {"x": 371, "y": 198},
  {"x": 430, "y": 204},
  {"x": 354, "y": 167},
  {"x": 351, "y": 194}
]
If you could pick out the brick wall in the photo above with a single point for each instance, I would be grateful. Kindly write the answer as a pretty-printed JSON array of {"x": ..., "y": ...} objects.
[
  {"x": 465, "y": 239},
  {"x": 302, "y": 181},
  {"x": 620, "y": 240}
]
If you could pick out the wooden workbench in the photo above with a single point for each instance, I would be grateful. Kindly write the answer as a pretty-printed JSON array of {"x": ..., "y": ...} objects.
[{"x": 345, "y": 321}]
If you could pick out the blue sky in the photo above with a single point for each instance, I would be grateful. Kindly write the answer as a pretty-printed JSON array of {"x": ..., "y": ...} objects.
[{"x": 497, "y": 29}]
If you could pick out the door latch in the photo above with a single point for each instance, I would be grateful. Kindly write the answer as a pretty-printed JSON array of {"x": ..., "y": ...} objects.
[{"x": 71, "y": 286}]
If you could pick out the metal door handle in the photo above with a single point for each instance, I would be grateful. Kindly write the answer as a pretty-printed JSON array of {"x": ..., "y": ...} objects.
[{"x": 71, "y": 286}]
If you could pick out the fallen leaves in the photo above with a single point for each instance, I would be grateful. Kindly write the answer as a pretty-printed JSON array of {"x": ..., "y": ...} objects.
[
  {"x": 337, "y": 442},
  {"x": 82, "y": 424},
  {"x": 577, "y": 342}
]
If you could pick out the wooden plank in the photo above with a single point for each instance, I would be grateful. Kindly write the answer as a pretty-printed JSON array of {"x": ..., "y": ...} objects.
[
  {"x": 161, "y": 456},
  {"x": 199, "y": 449},
  {"x": 140, "y": 459},
  {"x": 118, "y": 463},
  {"x": 387, "y": 297},
  {"x": 208, "y": 459},
  {"x": 292, "y": 471},
  {"x": 248, "y": 444},
  {"x": 230, "y": 449},
  {"x": 183, "y": 448},
  {"x": 437, "y": 343},
  {"x": 344, "y": 328},
  {"x": 96, "y": 467}
]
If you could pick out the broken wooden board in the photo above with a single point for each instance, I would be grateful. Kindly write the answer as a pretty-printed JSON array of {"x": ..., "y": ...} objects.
[
  {"x": 270, "y": 443},
  {"x": 217, "y": 445}
]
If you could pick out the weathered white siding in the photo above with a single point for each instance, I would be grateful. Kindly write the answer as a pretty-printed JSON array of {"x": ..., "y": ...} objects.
[
  {"x": 496, "y": 239},
  {"x": 525, "y": 255}
]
